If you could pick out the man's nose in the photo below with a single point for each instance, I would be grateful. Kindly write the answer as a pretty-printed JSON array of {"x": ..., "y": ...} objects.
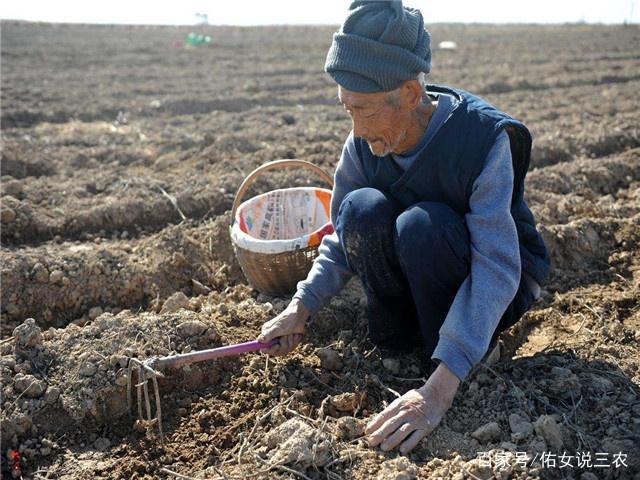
[{"x": 359, "y": 130}]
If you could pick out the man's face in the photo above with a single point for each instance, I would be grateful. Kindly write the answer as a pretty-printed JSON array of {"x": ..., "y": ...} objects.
[{"x": 377, "y": 118}]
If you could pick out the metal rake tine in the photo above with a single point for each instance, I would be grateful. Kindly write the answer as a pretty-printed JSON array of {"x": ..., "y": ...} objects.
[
  {"x": 158, "y": 404},
  {"x": 129, "y": 386},
  {"x": 145, "y": 386},
  {"x": 139, "y": 395}
]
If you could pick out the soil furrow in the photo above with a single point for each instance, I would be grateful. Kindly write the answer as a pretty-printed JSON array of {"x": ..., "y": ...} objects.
[
  {"x": 56, "y": 284},
  {"x": 572, "y": 137},
  {"x": 24, "y": 224},
  {"x": 586, "y": 177}
]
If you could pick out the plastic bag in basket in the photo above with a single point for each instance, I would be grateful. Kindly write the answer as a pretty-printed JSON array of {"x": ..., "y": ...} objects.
[{"x": 283, "y": 220}]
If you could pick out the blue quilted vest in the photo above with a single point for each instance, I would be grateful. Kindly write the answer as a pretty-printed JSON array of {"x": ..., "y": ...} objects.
[{"x": 447, "y": 168}]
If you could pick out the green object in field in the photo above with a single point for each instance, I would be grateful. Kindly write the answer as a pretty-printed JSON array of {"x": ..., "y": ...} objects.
[{"x": 196, "y": 39}]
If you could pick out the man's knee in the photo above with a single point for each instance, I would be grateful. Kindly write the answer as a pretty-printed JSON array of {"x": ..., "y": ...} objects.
[
  {"x": 365, "y": 211},
  {"x": 430, "y": 231}
]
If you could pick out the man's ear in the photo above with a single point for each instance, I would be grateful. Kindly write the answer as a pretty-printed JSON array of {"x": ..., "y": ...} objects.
[{"x": 412, "y": 93}]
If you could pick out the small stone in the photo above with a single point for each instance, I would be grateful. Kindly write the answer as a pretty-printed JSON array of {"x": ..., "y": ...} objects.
[
  {"x": 564, "y": 383},
  {"x": 40, "y": 273},
  {"x": 8, "y": 362},
  {"x": 12, "y": 187},
  {"x": 56, "y": 276},
  {"x": 51, "y": 395},
  {"x": 45, "y": 451},
  {"x": 601, "y": 383},
  {"x": 29, "y": 385},
  {"x": 95, "y": 312},
  {"x": 548, "y": 429},
  {"x": 392, "y": 364},
  {"x": 7, "y": 215},
  {"x": 175, "y": 302},
  {"x": 101, "y": 444},
  {"x": 199, "y": 288},
  {"x": 330, "y": 359},
  {"x": 88, "y": 369},
  {"x": 191, "y": 328},
  {"x": 487, "y": 432},
  {"x": 349, "y": 428},
  {"x": 521, "y": 428},
  {"x": 48, "y": 443},
  {"x": 28, "y": 334},
  {"x": 122, "y": 380},
  {"x": 139, "y": 426},
  {"x": 348, "y": 401}
]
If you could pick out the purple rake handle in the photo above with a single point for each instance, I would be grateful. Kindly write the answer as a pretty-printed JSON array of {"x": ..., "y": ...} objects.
[{"x": 202, "y": 355}]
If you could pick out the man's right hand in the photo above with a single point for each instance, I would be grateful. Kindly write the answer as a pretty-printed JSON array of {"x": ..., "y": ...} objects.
[{"x": 288, "y": 327}]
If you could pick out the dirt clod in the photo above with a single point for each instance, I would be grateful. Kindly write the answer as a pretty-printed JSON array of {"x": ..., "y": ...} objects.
[
  {"x": 521, "y": 428},
  {"x": 28, "y": 334},
  {"x": 548, "y": 429},
  {"x": 29, "y": 385},
  {"x": 488, "y": 432},
  {"x": 51, "y": 395},
  {"x": 297, "y": 443},
  {"x": 397, "y": 469},
  {"x": 94, "y": 313},
  {"x": 191, "y": 328},
  {"x": 349, "y": 428},
  {"x": 175, "y": 302},
  {"x": 392, "y": 364},
  {"x": 56, "y": 276},
  {"x": 348, "y": 401},
  {"x": 330, "y": 359}
]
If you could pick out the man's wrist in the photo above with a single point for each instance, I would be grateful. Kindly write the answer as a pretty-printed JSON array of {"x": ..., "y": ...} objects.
[
  {"x": 444, "y": 382},
  {"x": 300, "y": 309}
]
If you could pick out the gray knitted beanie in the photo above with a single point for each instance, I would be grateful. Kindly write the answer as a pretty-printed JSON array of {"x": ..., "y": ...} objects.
[{"x": 380, "y": 45}]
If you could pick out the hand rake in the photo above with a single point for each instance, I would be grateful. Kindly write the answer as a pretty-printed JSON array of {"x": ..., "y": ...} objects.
[{"x": 148, "y": 369}]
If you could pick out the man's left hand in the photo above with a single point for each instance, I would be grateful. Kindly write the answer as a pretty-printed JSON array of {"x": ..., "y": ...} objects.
[{"x": 412, "y": 416}]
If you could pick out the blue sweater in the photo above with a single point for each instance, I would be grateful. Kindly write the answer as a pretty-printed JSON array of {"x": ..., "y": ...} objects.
[{"x": 495, "y": 257}]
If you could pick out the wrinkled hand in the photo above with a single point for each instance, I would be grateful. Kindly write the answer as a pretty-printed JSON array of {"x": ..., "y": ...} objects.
[
  {"x": 412, "y": 416},
  {"x": 288, "y": 328}
]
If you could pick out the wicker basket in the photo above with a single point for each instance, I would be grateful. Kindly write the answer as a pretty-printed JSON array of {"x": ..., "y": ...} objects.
[{"x": 275, "y": 273}]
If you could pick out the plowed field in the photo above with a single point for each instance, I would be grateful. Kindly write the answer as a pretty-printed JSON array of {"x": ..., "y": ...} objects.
[{"x": 121, "y": 154}]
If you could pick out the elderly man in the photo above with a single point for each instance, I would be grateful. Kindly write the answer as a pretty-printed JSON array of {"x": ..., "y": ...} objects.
[{"x": 429, "y": 212}]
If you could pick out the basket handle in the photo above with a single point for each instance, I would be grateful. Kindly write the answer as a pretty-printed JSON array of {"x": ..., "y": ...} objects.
[{"x": 274, "y": 165}]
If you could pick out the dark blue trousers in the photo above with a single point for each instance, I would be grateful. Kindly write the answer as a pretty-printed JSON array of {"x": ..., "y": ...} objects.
[{"x": 411, "y": 263}]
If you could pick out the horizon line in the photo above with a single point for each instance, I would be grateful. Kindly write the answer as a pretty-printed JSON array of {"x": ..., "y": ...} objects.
[{"x": 124, "y": 24}]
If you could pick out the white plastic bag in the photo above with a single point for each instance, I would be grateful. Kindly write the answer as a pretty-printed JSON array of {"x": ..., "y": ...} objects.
[{"x": 283, "y": 220}]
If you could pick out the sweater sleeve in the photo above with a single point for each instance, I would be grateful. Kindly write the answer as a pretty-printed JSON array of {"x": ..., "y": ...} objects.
[
  {"x": 330, "y": 271},
  {"x": 495, "y": 266}
]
